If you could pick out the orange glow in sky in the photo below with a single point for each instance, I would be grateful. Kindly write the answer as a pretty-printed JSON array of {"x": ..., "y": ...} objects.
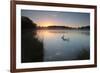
[
  {"x": 52, "y": 23},
  {"x": 45, "y": 24},
  {"x": 58, "y": 18}
]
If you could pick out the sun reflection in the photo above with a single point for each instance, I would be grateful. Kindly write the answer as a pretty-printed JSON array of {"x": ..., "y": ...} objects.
[
  {"x": 47, "y": 34},
  {"x": 41, "y": 34}
]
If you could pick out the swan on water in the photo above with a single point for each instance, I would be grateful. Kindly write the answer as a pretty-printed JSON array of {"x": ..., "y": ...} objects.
[{"x": 65, "y": 39}]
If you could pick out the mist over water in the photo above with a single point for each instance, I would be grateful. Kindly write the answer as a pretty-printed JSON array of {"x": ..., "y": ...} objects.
[
  {"x": 55, "y": 45},
  {"x": 62, "y": 45}
]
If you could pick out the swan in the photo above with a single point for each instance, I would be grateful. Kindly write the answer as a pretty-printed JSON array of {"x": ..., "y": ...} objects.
[{"x": 65, "y": 39}]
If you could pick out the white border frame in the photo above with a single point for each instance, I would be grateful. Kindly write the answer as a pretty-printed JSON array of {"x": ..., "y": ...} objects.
[{"x": 20, "y": 65}]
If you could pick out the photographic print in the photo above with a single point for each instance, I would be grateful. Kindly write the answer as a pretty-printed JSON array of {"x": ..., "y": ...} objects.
[{"x": 52, "y": 36}]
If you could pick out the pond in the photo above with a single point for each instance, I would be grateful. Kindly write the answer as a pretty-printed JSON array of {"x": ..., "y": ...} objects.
[{"x": 55, "y": 45}]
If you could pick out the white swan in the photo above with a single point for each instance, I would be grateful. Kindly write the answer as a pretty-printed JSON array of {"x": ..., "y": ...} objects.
[{"x": 65, "y": 39}]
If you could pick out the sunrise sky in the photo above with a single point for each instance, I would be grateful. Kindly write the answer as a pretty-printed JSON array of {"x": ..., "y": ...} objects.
[{"x": 51, "y": 18}]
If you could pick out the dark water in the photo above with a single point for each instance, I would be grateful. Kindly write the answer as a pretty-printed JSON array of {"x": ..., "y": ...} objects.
[{"x": 55, "y": 45}]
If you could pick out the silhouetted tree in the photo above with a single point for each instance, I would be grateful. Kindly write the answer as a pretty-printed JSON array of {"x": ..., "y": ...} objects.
[
  {"x": 31, "y": 47},
  {"x": 27, "y": 23}
]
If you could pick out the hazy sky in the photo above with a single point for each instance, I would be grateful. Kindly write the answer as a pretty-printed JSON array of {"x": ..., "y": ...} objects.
[{"x": 47, "y": 18}]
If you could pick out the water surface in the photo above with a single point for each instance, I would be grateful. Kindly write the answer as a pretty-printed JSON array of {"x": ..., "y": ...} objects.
[{"x": 55, "y": 45}]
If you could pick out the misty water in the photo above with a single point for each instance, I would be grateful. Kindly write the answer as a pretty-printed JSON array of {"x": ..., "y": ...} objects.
[{"x": 56, "y": 45}]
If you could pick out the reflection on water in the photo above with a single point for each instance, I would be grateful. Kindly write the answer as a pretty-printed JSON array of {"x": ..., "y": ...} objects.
[
  {"x": 31, "y": 48},
  {"x": 57, "y": 45}
]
